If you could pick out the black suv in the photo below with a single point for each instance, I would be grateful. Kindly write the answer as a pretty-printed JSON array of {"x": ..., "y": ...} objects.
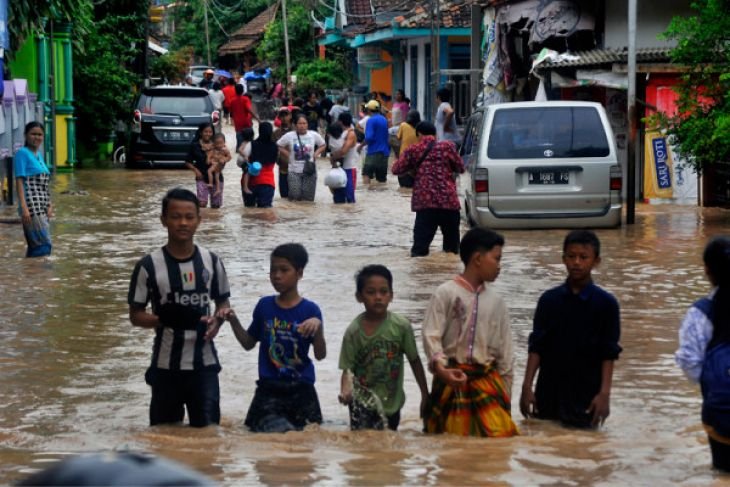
[{"x": 165, "y": 121}]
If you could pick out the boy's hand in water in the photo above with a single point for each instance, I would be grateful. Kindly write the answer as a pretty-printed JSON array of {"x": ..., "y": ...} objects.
[
  {"x": 528, "y": 403},
  {"x": 309, "y": 327},
  {"x": 600, "y": 409}
]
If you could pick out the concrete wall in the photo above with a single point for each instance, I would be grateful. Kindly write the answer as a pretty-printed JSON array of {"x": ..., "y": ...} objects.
[{"x": 652, "y": 18}]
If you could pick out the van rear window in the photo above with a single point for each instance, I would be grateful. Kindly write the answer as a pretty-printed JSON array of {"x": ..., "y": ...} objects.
[
  {"x": 175, "y": 105},
  {"x": 547, "y": 132}
]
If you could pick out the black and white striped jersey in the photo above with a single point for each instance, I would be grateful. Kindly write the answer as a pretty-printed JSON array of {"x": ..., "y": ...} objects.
[{"x": 160, "y": 279}]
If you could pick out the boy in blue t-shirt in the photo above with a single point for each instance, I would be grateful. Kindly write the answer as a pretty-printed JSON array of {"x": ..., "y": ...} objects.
[{"x": 286, "y": 325}]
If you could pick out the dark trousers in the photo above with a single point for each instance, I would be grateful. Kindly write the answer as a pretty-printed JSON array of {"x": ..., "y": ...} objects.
[
  {"x": 173, "y": 391},
  {"x": 261, "y": 196},
  {"x": 283, "y": 185},
  {"x": 424, "y": 229},
  {"x": 720, "y": 455}
]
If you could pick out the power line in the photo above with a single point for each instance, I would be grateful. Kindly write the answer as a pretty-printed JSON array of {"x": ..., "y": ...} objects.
[
  {"x": 395, "y": 9},
  {"x": 215, "y": 17}
]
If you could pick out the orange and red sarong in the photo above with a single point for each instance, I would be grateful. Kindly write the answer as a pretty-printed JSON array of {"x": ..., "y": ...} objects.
[{"x": 481, "y": 407}]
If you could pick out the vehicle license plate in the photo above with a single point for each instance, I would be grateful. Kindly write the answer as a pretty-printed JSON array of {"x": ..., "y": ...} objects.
[
  {"x": 549, "y": 177},
  {"x": 173, "y": 135}
]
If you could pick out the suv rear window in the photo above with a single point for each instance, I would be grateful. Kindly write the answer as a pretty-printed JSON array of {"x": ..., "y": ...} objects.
[
  {"x": 177, "y": 102},
  {"x": 528, "y": 133}
]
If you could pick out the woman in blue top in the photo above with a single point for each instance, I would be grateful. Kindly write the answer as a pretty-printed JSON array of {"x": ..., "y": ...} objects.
[{"x": 34, "y": 196}]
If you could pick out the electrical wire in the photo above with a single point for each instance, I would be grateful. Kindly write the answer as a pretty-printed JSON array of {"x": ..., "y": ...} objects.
[
  {"x": 394, "y": 10},
  {"x": 215, "y": 17}
]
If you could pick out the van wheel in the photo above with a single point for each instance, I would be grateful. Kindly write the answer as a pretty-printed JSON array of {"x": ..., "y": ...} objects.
[{"x": 469, "y": 219}]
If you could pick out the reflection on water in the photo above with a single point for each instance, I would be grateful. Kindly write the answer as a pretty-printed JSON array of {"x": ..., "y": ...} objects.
[{"x": 72, "y": 366}]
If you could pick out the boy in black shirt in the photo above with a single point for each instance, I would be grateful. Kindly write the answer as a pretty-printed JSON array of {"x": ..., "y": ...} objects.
[{"x": 574, "y": 343}]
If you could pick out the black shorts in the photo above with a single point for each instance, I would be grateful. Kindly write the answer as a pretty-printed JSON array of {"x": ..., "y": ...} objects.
[
  {"x": 279, "y": 406},
  {"x": 173, "y": 391}
]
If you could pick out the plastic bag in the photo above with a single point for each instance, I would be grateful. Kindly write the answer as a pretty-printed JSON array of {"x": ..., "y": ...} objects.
[{"x": 336, "y": 178}]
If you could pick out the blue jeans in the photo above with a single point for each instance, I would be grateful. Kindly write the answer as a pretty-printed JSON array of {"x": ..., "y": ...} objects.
[{"x": 261, "y": 196}]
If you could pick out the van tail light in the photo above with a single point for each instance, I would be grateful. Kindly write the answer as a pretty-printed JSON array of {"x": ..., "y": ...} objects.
[
  {"x": 616, "y": 179},
  {"x": 215, "y": 117},
  {"x": 481, "y": 180},
  {"x": 137, "y": 116}
]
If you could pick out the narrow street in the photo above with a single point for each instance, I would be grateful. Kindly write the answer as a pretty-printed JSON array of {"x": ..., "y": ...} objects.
[{"x": 73, "y": 366}]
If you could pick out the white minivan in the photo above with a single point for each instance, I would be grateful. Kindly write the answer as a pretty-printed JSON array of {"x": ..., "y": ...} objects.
[{"x": 541, "y": 165}]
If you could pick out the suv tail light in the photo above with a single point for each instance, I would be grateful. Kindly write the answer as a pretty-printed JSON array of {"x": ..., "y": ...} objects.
[
  {"x": 215, "y": 117},
  {"x": 137, "y": 121},
  {"x": 616, "y": 179},
  {"x": 481, "y": 180}
]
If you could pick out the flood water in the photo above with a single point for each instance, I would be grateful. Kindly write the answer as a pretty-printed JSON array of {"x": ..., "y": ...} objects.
[{"x": 72, "y": 366}]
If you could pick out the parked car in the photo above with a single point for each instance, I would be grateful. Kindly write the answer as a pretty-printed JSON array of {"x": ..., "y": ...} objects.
[
  {"x": 541, "y": 165},
  {"x": 196, "y": 72},
  {"x": 165, "y": 121}
]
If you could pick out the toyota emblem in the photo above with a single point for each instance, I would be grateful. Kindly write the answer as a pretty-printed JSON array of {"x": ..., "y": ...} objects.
[
  {"x": 176, "y": 121},
  {"x": 548, "y": 153}
]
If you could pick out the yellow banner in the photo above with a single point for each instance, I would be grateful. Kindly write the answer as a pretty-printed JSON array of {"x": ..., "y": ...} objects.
[{"x": 658, "y": 170}]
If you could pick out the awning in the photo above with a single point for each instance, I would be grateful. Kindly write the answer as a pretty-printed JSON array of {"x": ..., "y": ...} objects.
[{"x": 156, "y": 48}]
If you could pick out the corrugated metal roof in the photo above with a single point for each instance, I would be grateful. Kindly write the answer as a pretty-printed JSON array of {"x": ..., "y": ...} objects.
[{"x": 609, "y": 56}]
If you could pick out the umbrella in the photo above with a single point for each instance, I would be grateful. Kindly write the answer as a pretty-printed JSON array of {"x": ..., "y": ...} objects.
[{"x": 223, "y": 72}]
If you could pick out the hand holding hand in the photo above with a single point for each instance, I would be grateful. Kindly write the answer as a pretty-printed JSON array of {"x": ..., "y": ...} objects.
[
  {"x": 309, "y": 327},
  {"x": 213, "y": 325}
]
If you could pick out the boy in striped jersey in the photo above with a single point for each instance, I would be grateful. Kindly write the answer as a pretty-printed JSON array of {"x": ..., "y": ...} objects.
[{"x": 180, "y": 280}]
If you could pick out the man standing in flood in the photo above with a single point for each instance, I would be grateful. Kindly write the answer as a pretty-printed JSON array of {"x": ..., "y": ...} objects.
[{"x": 376, "y": 140}]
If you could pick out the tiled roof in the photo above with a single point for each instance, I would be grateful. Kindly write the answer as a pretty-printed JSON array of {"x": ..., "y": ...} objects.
[
  {"x": 609, "y": 56},
  {"x": 249, "y": 35},
  {"x": 359, "y": 12},
  {"x": 455, "y": 13}
]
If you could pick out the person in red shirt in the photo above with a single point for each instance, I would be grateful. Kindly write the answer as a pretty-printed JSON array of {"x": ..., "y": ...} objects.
[
  {"x": 265, "y": 151},
  {"x": 434, "y": 200},
  {"x": 242, "y": 113},
  {"x": 229, "y": 92}
]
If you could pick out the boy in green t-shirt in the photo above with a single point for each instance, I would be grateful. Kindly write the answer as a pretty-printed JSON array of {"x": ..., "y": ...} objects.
[{"x": 372, "y": 350}]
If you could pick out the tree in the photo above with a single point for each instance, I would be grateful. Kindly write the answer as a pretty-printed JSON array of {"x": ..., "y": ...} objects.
[
  {"x": 301, "y": 40},
  {"x": 105, "y": 80},
  {"x": 700, "y": 131},
  {"x": 319, "y": 74},
  {"x": 28, "y": 17}
]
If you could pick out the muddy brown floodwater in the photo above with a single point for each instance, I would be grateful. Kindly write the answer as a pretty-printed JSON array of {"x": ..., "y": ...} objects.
[{"x": 72, "y": 366}]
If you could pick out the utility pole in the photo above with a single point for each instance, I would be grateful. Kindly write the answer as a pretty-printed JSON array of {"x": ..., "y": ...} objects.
[
  {"x": 631, "y": 112},
  {"x": 286, "y": 49},
  {"x": 207, "y": 35}
]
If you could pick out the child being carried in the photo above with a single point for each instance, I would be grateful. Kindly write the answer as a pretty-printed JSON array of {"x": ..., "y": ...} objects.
[{"x": 218, "y": 156}]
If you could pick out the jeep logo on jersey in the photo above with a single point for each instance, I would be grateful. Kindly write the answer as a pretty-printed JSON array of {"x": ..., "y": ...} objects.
[{"x": 189, "y": 299}]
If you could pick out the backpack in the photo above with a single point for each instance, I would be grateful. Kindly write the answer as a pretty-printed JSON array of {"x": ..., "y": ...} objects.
[{"x": 715, "y": 380}]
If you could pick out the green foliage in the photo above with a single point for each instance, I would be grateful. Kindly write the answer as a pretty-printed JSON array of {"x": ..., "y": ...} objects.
[
  {"x": 301, "y": 41},
  {"x": 190, "y": 23},
  {"x": 321, "y": 74},
  {"x": 171, "y": 66},
  {"x": 700, "y": 131},
  {"x": 28, "y": 17},
  {"x": 104, "y": 80}
]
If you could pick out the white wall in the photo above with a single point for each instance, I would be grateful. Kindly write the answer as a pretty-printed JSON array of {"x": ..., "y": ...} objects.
[
  {"x": 652, "y": 18},
  {"x": 418, "y": 99}
]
